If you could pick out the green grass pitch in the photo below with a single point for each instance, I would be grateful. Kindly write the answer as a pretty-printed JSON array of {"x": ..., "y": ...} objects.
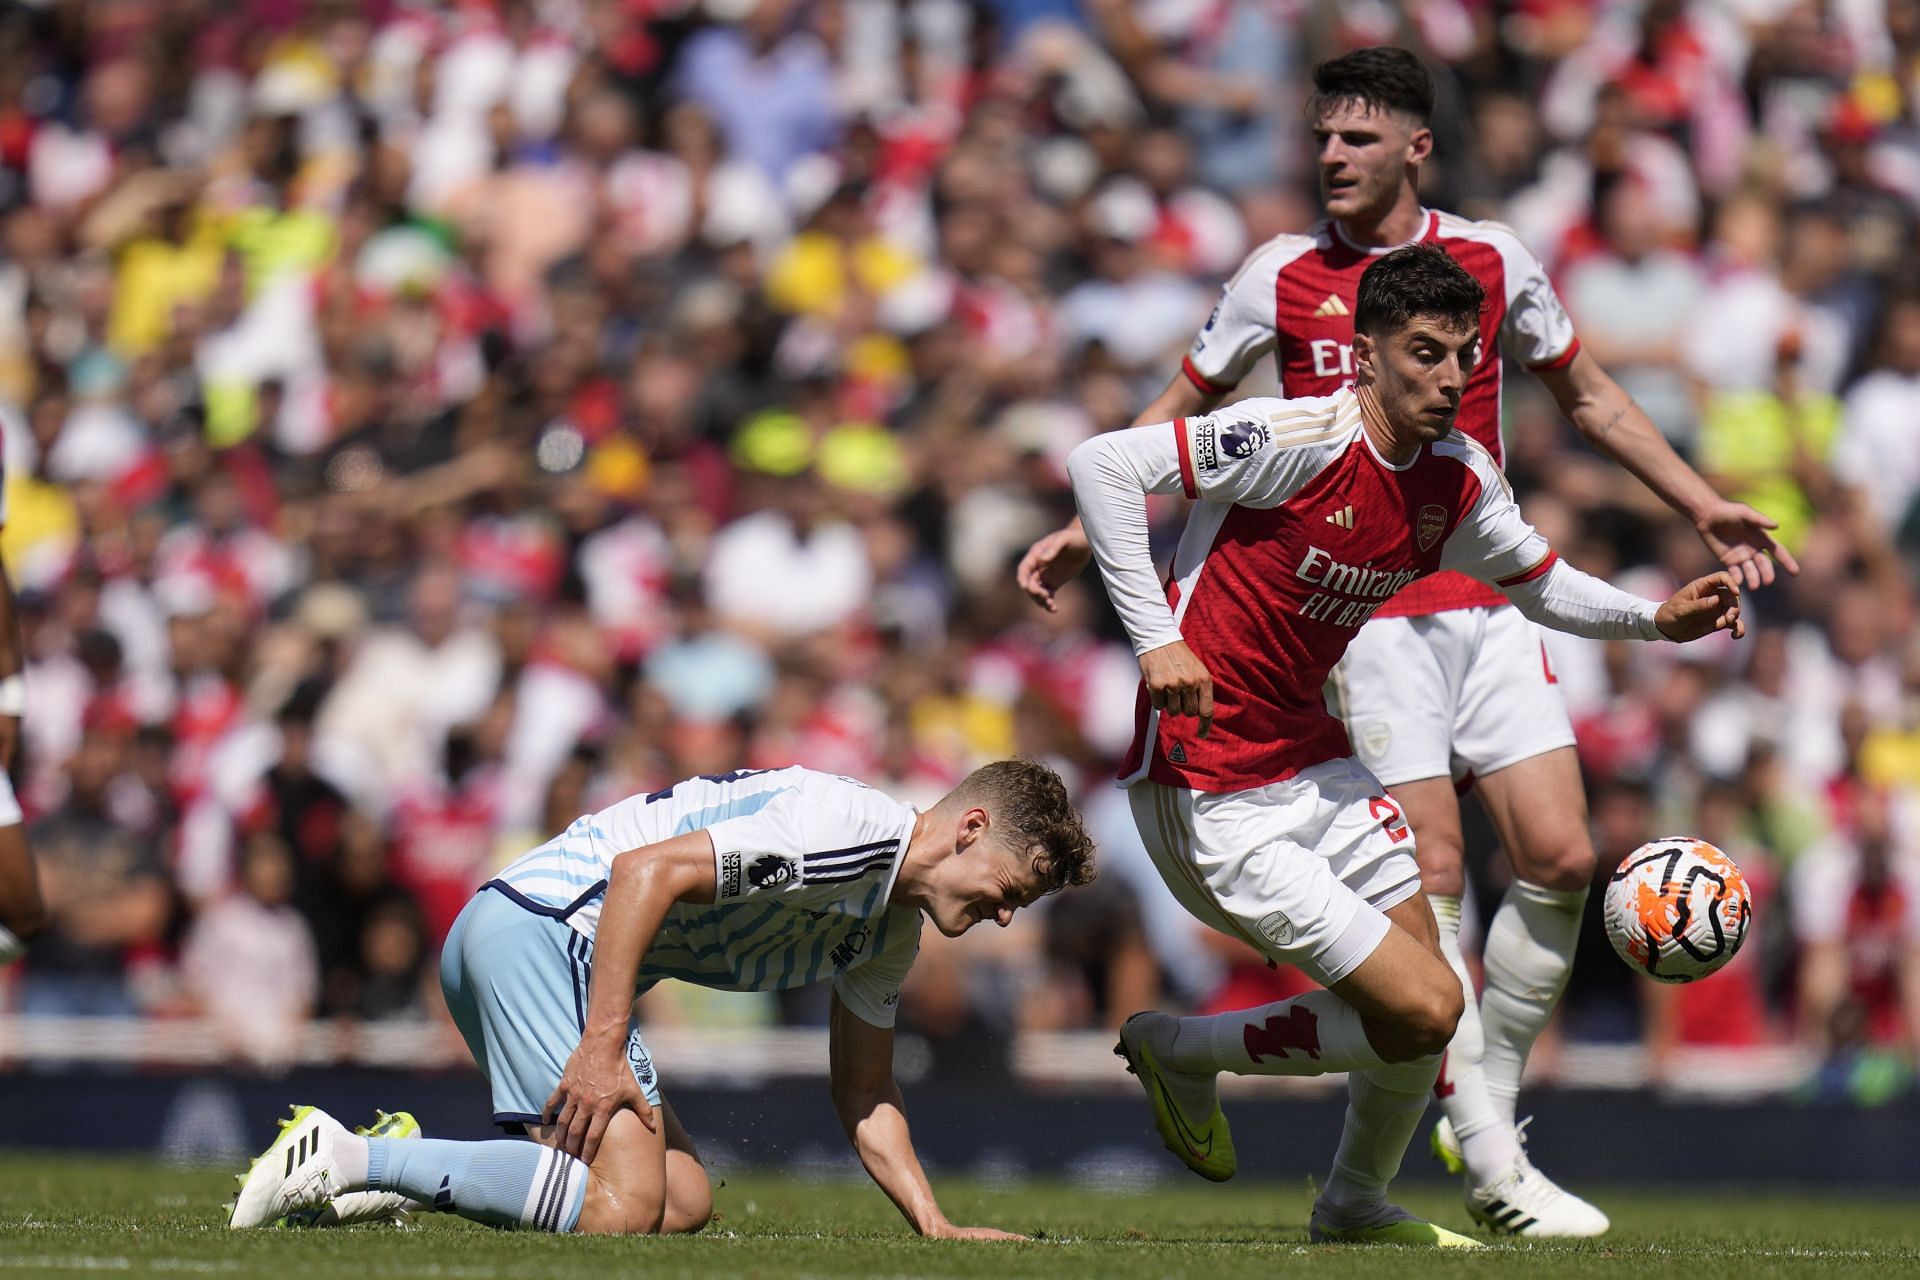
[{"x": 63, "y": 1215}]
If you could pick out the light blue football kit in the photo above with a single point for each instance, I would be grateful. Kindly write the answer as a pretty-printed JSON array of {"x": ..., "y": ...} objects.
[{"x": 803, "y": 864}]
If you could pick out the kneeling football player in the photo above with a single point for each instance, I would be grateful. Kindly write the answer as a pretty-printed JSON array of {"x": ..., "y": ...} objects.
[{"x": 749, "y": 881}]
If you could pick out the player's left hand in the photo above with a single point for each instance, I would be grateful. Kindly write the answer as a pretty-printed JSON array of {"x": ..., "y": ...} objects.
[
  {"x": 1701, "y": 608},
  {"x": 947, "y": 1231},
  {"x": 1738, "y": 537},
  {"x": 596, "y": 1083}
]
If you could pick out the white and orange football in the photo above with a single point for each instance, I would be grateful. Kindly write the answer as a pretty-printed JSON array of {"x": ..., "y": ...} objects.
[{"x": 1677, "y": 909}]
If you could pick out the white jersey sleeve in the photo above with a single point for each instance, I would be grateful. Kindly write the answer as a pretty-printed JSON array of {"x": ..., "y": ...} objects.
[
  {"x": 871, "y": 991},
  {"x": 1537, "y": 329},
  {"x": 1242, "y": 326},
  {"x": 1496, "y": 545},
  {"x": 1257, "y": 453},
  {"x": 809, "y": 842}
]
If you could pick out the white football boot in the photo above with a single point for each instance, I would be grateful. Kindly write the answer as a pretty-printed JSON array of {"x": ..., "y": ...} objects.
[
  {"x": 357, "y": 1207},
  {"x": 297, "y": 1172},
  {"x": 1528, "y": 1203}
]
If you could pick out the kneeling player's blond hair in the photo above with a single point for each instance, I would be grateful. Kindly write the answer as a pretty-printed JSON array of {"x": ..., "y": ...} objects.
[{"x": 1031, "y": 809}]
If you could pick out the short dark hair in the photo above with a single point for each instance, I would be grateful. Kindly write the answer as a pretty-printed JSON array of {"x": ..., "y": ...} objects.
[
  {"x": 1029, "y": 804},
  {"x": 1385, "y": 78},
  {"x": 1416, "y": 280}
]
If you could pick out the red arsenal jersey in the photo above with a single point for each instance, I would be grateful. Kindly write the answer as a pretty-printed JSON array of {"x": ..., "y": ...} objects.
[
  {"x": 1302, "y": 532},
  {"x": 1294, "y": 296}
]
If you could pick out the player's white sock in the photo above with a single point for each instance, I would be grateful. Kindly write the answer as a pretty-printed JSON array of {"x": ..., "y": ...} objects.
[
  {"x": 1487, "y": 1142},
  {"x": 1529, "y": 954},
  {"x": 1384, "y": 1106},
  {"x": 1308, "y": 1035},
  {"x": 502, "y": 1183},
  {"x": 350, "y": 1158}
]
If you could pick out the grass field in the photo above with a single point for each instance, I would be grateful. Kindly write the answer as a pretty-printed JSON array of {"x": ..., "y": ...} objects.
[{"x": 62, "y": 1215}]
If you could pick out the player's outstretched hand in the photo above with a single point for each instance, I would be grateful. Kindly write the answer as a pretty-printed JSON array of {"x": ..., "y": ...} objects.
[
  {"x": 597, "y": 1083},
  {"x": 1178, "y": 683},
  {"x": 1739, "y": 538},
  {"x": 1701, "y": 608},
  {"x": 1052, "y": 563},
  {"x": 947, "y": 1231}
]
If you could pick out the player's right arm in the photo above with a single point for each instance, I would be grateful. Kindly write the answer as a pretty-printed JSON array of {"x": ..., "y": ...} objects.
[
  {"x": 1240, "y": 331},
  {"x": 1228, "y": 456},
  {"x": 642, "y": 887},
  {"x": 874, "y": 1115}
]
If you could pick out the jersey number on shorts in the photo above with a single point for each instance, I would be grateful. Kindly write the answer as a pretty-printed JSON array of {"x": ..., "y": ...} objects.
[{"x": 1390, "y": 820}]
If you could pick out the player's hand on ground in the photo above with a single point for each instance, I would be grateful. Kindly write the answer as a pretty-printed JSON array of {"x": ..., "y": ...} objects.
[
  {"x": 1178, "y": 683},
  {"x": 597, "y": 1083},
  {"x": 947, "y": 1231},
  {"x": 1052, "y": 563},
  {"x": 1740, "y": 539},
  {"x": 1701, "y": 608}
]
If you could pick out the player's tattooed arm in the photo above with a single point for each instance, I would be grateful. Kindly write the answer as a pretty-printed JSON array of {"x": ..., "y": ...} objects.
[
  {"x": 1740, "y": 537},
  {"x": 643, "y": 886},
  {"x": 860, "y": 1067},
  {"x": 1600, "y": 433}
]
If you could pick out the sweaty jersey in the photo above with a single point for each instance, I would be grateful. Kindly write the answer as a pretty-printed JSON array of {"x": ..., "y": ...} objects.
[
  {"x": 803, "y": 864},
  {"x": 1295, "y": 295},
  {"x": 1301, "y": 532}
]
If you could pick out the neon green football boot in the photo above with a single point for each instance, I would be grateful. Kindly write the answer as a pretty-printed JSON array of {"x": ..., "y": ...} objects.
[
  {"x": 1186, "y": 1104},
  {"x": 1446, "y": 1147}
]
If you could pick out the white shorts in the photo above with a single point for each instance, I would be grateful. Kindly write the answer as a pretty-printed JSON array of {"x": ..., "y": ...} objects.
[
  {"x": 1301, "y": 870},
  {"x": 1452, "y": 695}
]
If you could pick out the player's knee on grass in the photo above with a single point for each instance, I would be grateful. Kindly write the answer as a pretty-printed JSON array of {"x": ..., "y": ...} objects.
[
  {"x": 689, "y": 1190},
  {"x": 627, "y": 1181},
  {"x": 689, "y": 1195}
]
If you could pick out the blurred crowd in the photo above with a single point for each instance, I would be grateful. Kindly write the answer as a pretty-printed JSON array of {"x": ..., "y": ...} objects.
[{"x": 424, "y": 423}]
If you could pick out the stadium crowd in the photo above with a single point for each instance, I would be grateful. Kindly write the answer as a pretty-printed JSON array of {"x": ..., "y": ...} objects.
[{"x": 427, "y": 422}]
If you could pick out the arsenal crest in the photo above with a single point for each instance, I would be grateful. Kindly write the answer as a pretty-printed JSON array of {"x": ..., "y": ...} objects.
[{"x": 1432, "y": 523}]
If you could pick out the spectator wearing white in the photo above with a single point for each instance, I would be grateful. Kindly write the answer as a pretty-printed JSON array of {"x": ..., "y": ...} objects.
[
  {"x": 406, "y": 686},
  {"x": 1632, "y": 303},
  {"x": 1879, "y": 450},
  {"x": 250, "y": 962}
]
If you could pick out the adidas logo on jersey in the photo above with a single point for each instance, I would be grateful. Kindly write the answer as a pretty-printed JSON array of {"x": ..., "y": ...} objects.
[
  {"x": 1343, "y": 517},
  {"x": 1331, "y": 307},
  {"x": 1177, "y": 754}
]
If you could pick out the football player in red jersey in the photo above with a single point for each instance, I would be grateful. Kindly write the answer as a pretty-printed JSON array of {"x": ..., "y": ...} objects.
[
  {"x": 1447, "y": 684},
  {"x": 1311, "y": 515}
]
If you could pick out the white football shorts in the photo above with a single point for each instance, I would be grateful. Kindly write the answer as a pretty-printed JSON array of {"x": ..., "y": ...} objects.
[
  {"x": 1459, "y": 694},
  {"x": 1302, "y": 870}
]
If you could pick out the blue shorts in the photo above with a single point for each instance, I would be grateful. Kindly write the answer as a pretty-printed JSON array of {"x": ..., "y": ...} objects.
[{"x": 516, "y": 983}]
